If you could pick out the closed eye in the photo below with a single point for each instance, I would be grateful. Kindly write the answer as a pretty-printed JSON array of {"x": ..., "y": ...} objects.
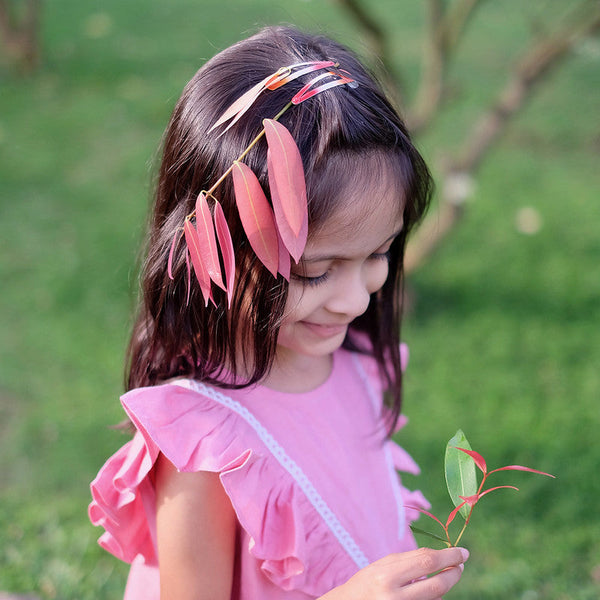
[
  {"x": 381, "y": 255},
  {"x": 312, "y": 281}
]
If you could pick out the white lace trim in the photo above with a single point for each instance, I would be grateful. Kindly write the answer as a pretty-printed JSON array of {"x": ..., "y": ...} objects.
[
  {"x": 376, "y": 402},
  {"x": 344, "y": 538}
]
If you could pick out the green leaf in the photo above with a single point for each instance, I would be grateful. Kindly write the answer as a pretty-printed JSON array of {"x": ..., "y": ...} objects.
[
  {"x": 461, "y": 478},
  {"x": 429, "y": 534}
]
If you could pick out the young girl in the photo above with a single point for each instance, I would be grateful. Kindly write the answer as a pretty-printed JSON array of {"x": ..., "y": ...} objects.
[{"x": 261, "y": 466}]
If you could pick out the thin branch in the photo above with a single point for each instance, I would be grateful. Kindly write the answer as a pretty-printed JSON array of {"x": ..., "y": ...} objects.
[
  {"x": 379, "y": 43},
  {"x": 537, "y": 62},
  {"x": 20, "y": 36},
  {"x": 457, "y": 174},
  {"x": 443, "y": 32}
]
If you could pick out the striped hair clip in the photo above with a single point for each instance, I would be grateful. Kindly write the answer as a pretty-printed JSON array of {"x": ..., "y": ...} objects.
[{"x": 276, "y": 233}]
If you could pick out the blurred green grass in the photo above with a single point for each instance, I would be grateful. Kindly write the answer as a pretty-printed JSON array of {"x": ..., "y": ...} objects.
[{"x": 503, "y": 327}]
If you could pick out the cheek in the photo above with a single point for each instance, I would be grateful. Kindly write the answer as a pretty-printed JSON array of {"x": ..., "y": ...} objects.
[
  {"x": 378, "y": 274},
  {"x": 294, "y": 302}
]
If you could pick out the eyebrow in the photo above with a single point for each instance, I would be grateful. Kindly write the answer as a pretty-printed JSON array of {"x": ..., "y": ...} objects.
[{"x": 326, "y": 257}]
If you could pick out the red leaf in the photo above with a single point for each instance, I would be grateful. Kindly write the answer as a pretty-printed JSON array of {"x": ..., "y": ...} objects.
[
  {"x": 294, "y": 244},
  {"x": 430, "y": 515},
  {"x": 477, "y": 458},
  {"x": 520, "y": 468},
  {"x": 286, "y": 174},
  {"x": 207, "y": 241},
  {"x": 256, "y": 216},
  {"x": 290, "y": 76},
  {"x": 284, "y": 266},
  {"x": 272, "y": 82},
  {"x": 242, "y": 104},
  {"x": 226, "y": 245},
  {"x": 191, "y": 239},
  {"x": 471, "y": 500},
  {"x": 499, "y": 487},
  {"x": 454, "y": 513},
  {"x": 306, "y": 92}
]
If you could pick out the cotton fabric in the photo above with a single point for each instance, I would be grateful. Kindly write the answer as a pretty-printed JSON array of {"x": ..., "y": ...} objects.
[{"x": 311, "y": 476}]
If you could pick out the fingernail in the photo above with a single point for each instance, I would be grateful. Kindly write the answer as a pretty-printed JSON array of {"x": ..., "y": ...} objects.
[
  {"x": 461, "y": 566},
  {"x": 465, "y": 553}
]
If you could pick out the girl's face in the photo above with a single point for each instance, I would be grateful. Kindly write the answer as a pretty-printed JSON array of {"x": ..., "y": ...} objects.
[{"x": 344, "y": 262}]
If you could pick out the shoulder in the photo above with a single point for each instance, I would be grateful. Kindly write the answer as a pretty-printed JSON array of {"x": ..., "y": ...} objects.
[{"x": 196, "y": 426}]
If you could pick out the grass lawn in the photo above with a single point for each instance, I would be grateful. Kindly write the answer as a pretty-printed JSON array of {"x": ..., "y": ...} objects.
[{"x": 504, "y": 327}]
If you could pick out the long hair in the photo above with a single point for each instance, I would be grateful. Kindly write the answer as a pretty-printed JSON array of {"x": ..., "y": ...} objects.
[{"x": 341, "y": 134}]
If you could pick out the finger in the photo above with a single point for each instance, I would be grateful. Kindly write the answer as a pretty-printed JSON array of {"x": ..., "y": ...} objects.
[
  {"x": 425, "y": 561},
  {"x": 434, "y": 587}
]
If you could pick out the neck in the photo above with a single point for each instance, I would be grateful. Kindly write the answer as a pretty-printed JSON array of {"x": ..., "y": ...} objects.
[{"x": 298, "y": 374}]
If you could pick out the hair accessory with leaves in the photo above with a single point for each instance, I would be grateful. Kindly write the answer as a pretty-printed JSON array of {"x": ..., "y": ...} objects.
[{"x": 275, "y": 233}]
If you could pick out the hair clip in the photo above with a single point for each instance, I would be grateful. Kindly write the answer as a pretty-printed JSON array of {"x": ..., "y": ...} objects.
[{"x": 276, "y": 233}]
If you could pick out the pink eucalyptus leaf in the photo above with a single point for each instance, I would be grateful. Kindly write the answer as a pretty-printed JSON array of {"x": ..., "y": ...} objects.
[
  {"x": 242, "y": 104},
  {"x": 191, "y": 239},
  {"x": 290, "y": 75},
  {"x": 286, "y": 174},
  {"x": 477, "y": 458},
  {"x": 295, "y": 244},
  {"x": 227, "y": 251},
  {"x": 520, "y": 468},
  {"x": 285, "y": 264},
  {"x": 256, "y": 216},
  {"x": 308, "y": 91},
  {"x": 176, "y": 239},
  {"x": 454, "y": 513},
  {"x": 207, "y": 240}
]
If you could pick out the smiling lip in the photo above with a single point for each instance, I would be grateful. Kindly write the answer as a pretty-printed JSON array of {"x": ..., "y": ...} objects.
[{"x": 325, "y": 331}]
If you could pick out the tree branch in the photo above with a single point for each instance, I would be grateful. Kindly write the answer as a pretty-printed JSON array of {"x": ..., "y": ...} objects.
[
  {"x": 379, "y": 42},
  {"x": 538, "y": 61},
  {"x": 444, "y": 30},
  {"x": 20, "y": 37},
  {"x": 457, "y": 174}
]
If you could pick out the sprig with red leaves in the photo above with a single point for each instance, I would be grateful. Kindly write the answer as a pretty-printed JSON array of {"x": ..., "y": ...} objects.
[
  {"x": 461, "y": 480},
  {"x": 277, "y": 230}
]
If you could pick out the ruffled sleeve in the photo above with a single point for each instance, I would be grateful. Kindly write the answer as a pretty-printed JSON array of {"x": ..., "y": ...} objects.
[{"x": 208, "y": 431}]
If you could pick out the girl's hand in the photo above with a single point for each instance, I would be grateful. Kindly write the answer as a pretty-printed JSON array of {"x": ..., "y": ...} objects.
[{"x": 422, "y": 574}]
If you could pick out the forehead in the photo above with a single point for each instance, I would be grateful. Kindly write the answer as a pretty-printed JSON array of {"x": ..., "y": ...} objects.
[
  {"x": 362, "y": 191},
  {"x": 352, "y": 185},
  {"x": 359, "y": 226}
]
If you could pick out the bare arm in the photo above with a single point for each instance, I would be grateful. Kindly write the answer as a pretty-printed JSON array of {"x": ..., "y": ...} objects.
[{"x": 196, "y": 527}]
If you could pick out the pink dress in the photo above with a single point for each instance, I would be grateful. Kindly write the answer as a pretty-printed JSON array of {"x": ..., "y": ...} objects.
[{"x": 311, "y": 477}]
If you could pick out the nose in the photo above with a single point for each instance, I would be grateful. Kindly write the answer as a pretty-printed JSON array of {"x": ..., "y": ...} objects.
[{"x": 351, "y": 296}]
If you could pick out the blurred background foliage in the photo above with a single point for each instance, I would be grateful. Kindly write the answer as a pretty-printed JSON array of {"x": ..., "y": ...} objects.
[{"x": 502, "y": 320}]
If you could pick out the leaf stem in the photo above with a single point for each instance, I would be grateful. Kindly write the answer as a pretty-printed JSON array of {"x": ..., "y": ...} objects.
[{"x": 245, "y": 152}]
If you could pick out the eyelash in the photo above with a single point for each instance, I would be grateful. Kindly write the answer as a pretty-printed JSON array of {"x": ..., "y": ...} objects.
[{"x": 319, "y": 279}]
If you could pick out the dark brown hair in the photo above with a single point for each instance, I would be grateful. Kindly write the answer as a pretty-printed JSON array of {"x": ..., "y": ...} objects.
[{"x": 338, "y": 131}]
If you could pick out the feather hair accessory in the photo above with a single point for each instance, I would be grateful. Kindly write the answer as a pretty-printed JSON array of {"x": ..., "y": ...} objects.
[{"x": 276, "y": 233}]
